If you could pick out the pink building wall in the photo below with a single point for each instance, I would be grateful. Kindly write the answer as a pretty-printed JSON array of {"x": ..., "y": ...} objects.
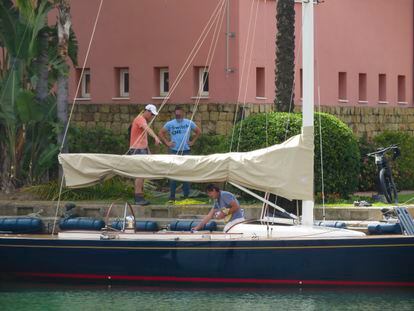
[
  {"x": 145, "y": 34},
  {"x": 353, "y": 36},
  {"x": 370, "y": 36}
]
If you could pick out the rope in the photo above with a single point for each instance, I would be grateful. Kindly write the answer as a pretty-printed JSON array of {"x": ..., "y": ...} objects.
[
  {"x": 321, "y": 151},
  {"x": 209, "y": 61},
  {"x": 320, "y": 135},
  {"x": 248, "y": 73},
  {"x": 81, "y": 75},
  {"x": 210, "y": 56},
  {"x": 190, "y": 57},
  {"x": 265, "y": 49},
  {"x": 72, "y": 109},
  {"x": 241, "y": 76}
]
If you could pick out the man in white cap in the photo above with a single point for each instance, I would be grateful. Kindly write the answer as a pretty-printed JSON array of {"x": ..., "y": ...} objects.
[{"x": 138, "y": 144}]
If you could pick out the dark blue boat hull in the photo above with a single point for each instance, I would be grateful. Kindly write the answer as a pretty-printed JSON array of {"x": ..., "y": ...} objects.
[{"x": 366, "y": 261}]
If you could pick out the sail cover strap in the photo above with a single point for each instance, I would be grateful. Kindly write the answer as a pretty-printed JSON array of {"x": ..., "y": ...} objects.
[{"x": 264, "y": 200}]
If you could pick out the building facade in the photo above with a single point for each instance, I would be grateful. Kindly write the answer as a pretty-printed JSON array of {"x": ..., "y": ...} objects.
[{"x": 363, "y": 51}]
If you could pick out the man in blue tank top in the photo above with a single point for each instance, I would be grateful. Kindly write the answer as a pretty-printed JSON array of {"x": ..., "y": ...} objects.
[
  {"x": 179, "y": 135},
  {"x": 226, "y": 207}
]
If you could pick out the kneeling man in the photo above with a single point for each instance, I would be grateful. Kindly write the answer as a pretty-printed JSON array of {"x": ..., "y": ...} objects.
[{"x": 225, "y": 207}]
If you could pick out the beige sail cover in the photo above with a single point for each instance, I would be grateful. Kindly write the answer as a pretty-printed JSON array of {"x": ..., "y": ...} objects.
[{"x": 285, "y": 169}]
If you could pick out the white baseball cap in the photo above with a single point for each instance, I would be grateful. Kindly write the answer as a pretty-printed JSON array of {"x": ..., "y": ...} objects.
[{"x": 151, "y": 108}]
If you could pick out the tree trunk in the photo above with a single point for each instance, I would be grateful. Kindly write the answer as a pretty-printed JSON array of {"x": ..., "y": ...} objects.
[
  {"x": 42, "y": 64},
  {"x": 64, "y": 25},
  {"x": 285, "y": 55},
  {"x": 62, "y": 107}
]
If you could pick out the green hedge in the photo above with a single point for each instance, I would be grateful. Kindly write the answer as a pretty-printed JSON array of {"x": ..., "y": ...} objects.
[
  {"x": 209, "y": 144},
  {"x": 97, "y": 140},
  {"x": 367, "y": 176},
  {"x": 341, "y": 157}
]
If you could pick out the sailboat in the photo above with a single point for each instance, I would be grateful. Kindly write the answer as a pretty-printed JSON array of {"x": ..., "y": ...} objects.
[{"x": 264, "y": 252}]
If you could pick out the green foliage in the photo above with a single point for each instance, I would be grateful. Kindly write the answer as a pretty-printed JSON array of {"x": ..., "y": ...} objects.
[
  {"x": 40, "y": 149},
  {"x": 340, "y": 148},
  {"x": 27, "y": 133},
  {"x": 97, "y": 140},
  {"x": 368, "y": 169},
  {"x": 28, "y": 127},
  {"x": 285, "y": 55},
  {"x": 209, "y": 144},
  {"x": 403, "y": 167},
  {"x": 112, "y": 189}
]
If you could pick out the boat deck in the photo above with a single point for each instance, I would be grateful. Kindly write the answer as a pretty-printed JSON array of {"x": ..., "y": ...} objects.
[{"x": 173, "y": 235}]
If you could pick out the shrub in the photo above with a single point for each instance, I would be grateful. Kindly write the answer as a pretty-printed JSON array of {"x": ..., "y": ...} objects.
[
  {"x": 340, "y": 149},
  {"x": 403, "y": 167},
  {"x": 97, "y": 140},
  {"x": 209, "y": 144},
  {"x": 367, "y": 176},
  {"x": 113, "y": 189}
]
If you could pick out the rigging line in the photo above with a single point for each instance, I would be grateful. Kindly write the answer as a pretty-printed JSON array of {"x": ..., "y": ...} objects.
[
  {"x": 58, "y": 204},
  {"x": 189, "y": 59},
  {"x": 202, "y": 35},
  {"x": 242, "y": 75},
  {"x": 210, "y": 56},
  {"x": 72, "y": 109},
  {"x": 264, "y": 52},
  {"x": 248, "y": 72},
  {"x": 195, "y": 50},
  {"x": 81, "y": 76},
  {"x": 320, "y": 128},
  {"x": 209, "y": 60},
  {"x": 263, "y": 200}
]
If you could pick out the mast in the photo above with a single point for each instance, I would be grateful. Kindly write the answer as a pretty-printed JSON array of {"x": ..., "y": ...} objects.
[{"x": 308, "y": 86}]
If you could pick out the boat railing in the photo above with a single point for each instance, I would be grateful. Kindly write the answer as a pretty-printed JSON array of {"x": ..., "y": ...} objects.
[{"x": 129, "y": 225}]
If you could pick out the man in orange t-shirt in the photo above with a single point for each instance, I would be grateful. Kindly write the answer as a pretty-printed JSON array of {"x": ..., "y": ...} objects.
[{"x": 138, "y": 144}]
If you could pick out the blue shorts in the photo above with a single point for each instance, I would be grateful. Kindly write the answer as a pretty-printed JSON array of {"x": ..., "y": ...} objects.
[{"x": 133, "y": 151}]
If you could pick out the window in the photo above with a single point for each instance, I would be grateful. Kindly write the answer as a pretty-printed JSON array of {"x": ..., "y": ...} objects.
[
  {"x": 260, "y": 82},
  {"x": 124, "y": 82},
  {"x": 203, "y": 83},
  {"x": 301, "y": 82},
  {"x": 362, "y": 87},
  {"x": 164, "y": 82},
  {"x": 401, "y": 89},
  {"x": 85, "y": 85},
  {"x": 342, "y": 86},
  {"x": 382, "y": 88}
]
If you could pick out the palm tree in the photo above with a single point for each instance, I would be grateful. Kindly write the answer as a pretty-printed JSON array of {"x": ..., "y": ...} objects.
[
  {"x": 285, "y": 55},
  {"x": 20, "y": 24},
  {"x": 64, "y": 30},
  {"x": 29, "y": 64}
]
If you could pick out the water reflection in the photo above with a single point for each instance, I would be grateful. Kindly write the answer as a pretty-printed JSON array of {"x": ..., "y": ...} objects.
[{"x": 39, "y": 296}]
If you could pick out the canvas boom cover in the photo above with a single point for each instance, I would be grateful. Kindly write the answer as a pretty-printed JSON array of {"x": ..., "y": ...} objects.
[{"x": 285, "y": 169}]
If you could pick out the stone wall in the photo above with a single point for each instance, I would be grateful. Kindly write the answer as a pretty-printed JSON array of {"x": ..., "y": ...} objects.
[
  {"x": 219, "y": 118},
  {"x": 371, "y": 121},
  {"x": 211, "y": 118}
]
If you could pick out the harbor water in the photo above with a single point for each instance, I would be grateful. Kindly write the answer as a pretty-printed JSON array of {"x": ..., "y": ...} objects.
[{"x": 30, "y": 296}]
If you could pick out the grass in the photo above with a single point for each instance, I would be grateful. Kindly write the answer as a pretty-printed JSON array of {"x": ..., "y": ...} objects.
[
  {"x": 113, "y": 189},
  {"x": 406, "y": 198},
  {"x": 123, "y": 189}
]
